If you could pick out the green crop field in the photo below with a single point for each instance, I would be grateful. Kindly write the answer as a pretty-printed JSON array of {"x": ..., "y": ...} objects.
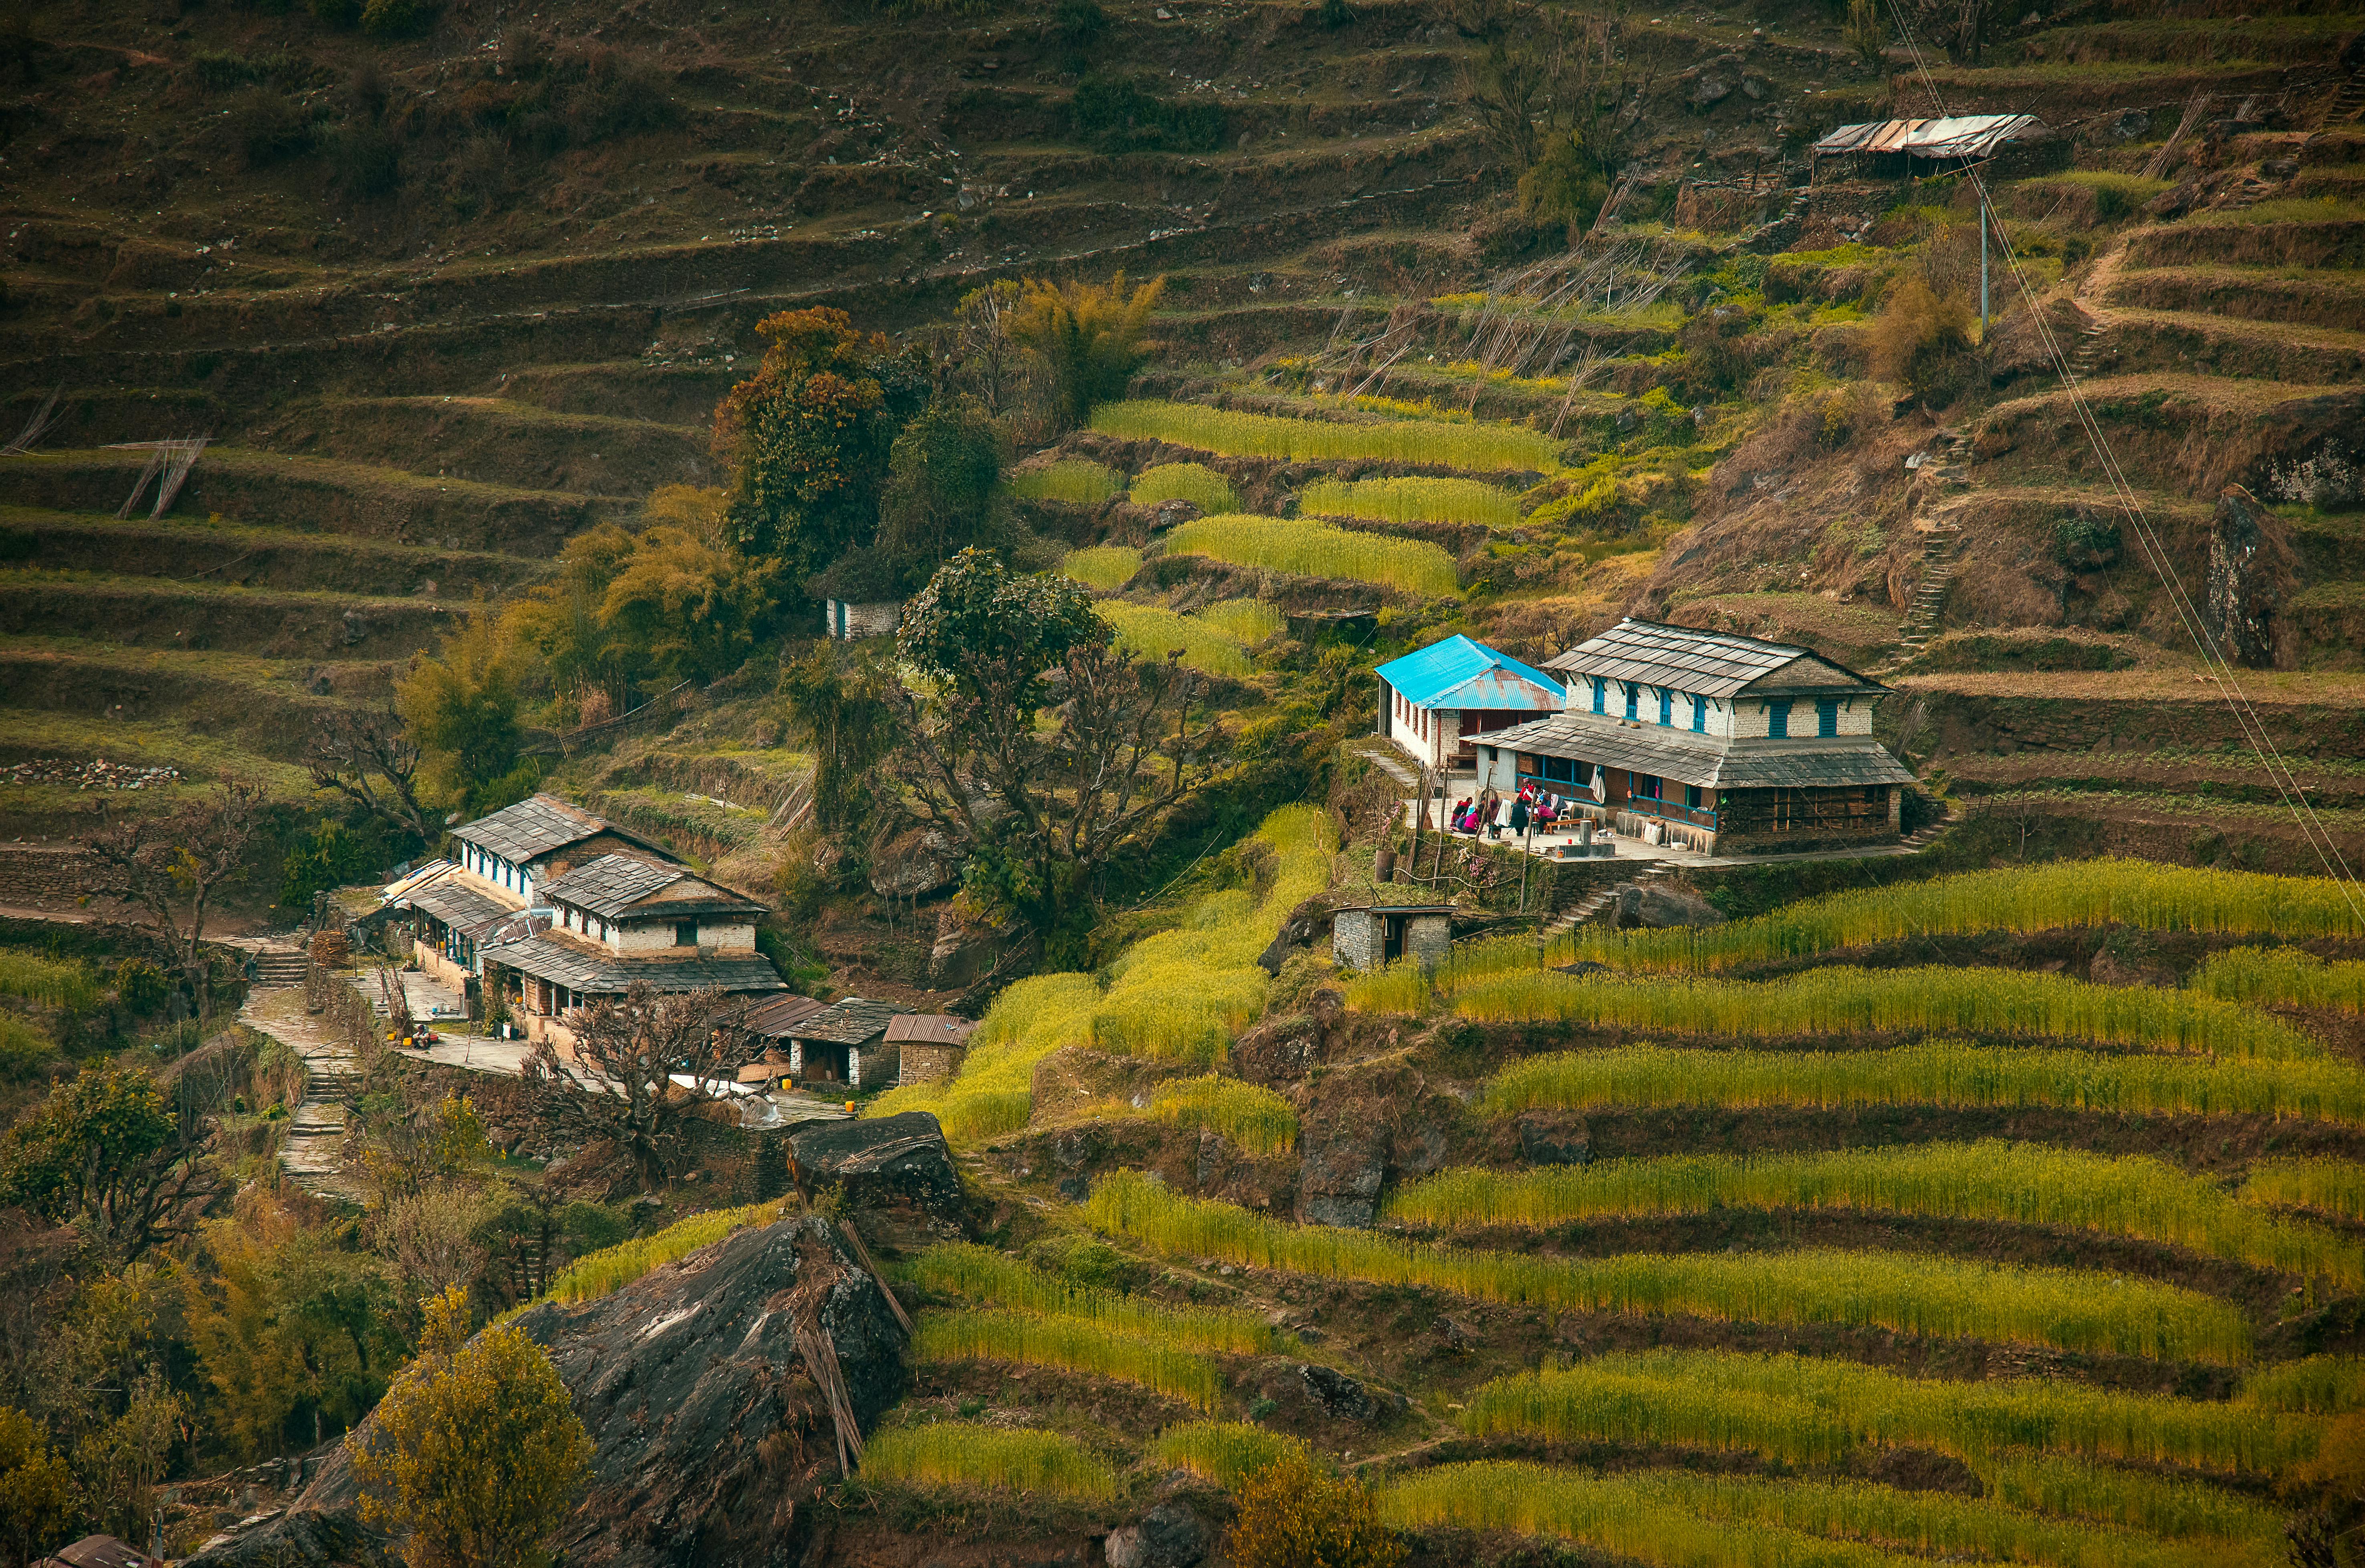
[
  {"x": 1104, "y": 566},
  {"x": 960, "y": 1453},
  {"x": 1317, "y": 550},
  {"x": 1477, "y": 447},
  {"x": 2282, "y": 977},
  {"x": 2025, "y": 1183},
  {"x": 1413, "y": 501},
  {"x": 1076, "y": 480},
  {"x": 1152, "y": 633},
  {"x": 1192, "y": 482},
  {"x": 1071, "y": 1344}
]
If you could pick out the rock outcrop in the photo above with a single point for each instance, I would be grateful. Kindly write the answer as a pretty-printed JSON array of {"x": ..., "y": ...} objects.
[
  {"x": 1655, "y": 906},
  {"x": 710, "y": 1432},
  {"x": 896, "y": 1172},
  {"x": 2251, "y": 577}
]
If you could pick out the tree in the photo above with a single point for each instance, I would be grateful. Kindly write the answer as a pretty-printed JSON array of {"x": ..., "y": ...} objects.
[
  {"x": 1547, "y": 84},
  {"x": 687, "y": 610},
  {"x": 944, "y": 482},
  {"x": 836, "y": 700},
  {"x": 1085, "y": 339},
  {"x": 476, "y": 1450},
  {"x": 38, "y": 1501},
  {"x": 641, "y": 1069},
  {"x": 366, "y": 756},
  {"x": 981, "y": 356},
  {"x": 1294, "y": 1514},
  {"x": 808, "y": 436},
  {"x": 462, "y": 711},
  {"x": 106, "y": 1153},
  {"x": 1041, "y": 810},
  {"x": 174, "y": 867}
]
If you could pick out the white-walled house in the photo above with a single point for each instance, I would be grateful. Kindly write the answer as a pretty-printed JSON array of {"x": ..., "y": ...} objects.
[
  {"x": 1729, "y": 743},
  {"x": 1435, "y": 703}
]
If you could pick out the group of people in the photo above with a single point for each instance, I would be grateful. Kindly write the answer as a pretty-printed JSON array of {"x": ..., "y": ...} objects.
[{"x": 1486, "y": 816}]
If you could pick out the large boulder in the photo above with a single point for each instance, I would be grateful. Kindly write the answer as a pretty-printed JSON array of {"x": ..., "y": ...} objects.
[
  {"x": 710, "y": 1433},
  {"x": 1655, "y": 906},
  {"x": 897, "y": 1173},
  {"x": 1339, "y": 1179},
  {"x": 2251, "y": 574},
  {"x": 914, "y": 864},
  {"x": 1169, "y": 1536}
]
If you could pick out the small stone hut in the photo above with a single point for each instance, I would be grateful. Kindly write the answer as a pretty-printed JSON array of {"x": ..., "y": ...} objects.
[
  {"x": 1370, "y": 936},
  {"x": 929, "y": 1045}
]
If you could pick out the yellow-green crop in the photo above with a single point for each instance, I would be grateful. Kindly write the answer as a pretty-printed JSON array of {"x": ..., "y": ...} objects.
[
  {"x": 1850, "y": 1002},
  {"x": 1991, "y": 1180},
  {"x": 1222, "y": 1451},
  {"x": 1078, "y": 480},
  {"x": 1317, "y": 550},
  {"x": 1152, "y": 633},
  {"x": 1105, "y": 566},
  {"x": 1478, "y": 448},
  {"x": 1245, "y": 621},
  {"x": 2328, "y": 1186},
  {"x": 1943, "y": 1073},
  {"x": 1414, "y": 500},
  {"x": 1256, "y": 1118},
  {"x": 2286, "y": 977},
  {"x": 978, "y": 1273},
  {"x": 1071, "y": 1344},
  {"x": 2070, "y": 1309},
  {"x": 960, "y": 1453},
  {"x": 2024, "y": 899},
  {"x": 1192, "y": 482},
  {"x": 610, "y": 1268}
]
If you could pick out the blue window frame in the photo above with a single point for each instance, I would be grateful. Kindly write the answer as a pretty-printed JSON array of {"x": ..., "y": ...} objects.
[
  {"x": 1827, "y": 715},
  {"x": 1600, "y": 694},
  {"x": 1777, "y": 719},
  {"x": 1692, "y": 796},
  {"x": 1700, "y": 713},
  {"x": 1645, "y": 786},
  {"x": 1633, "y": 695},
  {"x": 1667, "y": 706},
  {"x": 1560, "y": 770}
]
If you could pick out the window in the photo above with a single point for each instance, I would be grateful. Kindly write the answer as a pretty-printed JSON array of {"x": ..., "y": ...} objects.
[
  {"x": 1646, "y": 786},
  {"x": 1777, "y": 720},
  {"x": 1600, "y": 694},
  {"x": 1633, "y": 695},
  {"x": 685, "y": 934},
  {"x": 1827, "y": 715},
  {"x": 1700, "y": 713},
  {"x": 1560, "y": 770},
  {"x": 1692, "y": 794},
  {"x": 1667, "y": 706}
]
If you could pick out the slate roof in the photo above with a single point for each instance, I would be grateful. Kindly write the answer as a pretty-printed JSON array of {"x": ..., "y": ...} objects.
[
  {"x": 100, "y": 1552},
  {"x": 1960, "y": 136},
  {"x": 1820, "y": 761},
  {"x": 1460, "y": 673},
  {"x": 929, "y": 1028},
  {"x": 534, "y": 827},
  {"x": 1713, "y": 663},
  {"x": 777, "y": 1016},
  {"x": 579, "y": 966},
  {"x": 611, "y": 884},
  {"x": 438, "y": 890},
  {"x": 853, "y": 1022}
]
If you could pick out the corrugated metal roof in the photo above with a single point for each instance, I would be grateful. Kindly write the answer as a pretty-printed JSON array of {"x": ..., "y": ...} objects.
[
  {"x": 1705, "y": 760},
  {"x": 849, "y": 1023},
  {"x": 1959, "y": 135},
  {"x": 776, "y": 1016},
  {"x": 1713, "y": 663},
  {"x": 938, "y": 1028},
  {"x": 578, "y": 966},
  {"x": 611, "y": 884},
  {"x": 534, "y": 827},
  {"x": 1459, "y": 673}
]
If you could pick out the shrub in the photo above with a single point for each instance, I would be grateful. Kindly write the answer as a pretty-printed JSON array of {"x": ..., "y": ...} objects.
[
  {"x": 1867, "y": 32},
  {"x": 335, "y": 13},
  {"x": 396, "y": 19},
  {"x": 1922, "y": 341},
  {"x": 1087, "y": 338},
  {"x": 957, "y": 1453},
  {"x": 1294, "y": 1514},
  {"x": 1192, "y": 482},
  {"x": 366, "y": 158},
  {"x": 268, "y": 126},
  {"x": 24, "y": 1050},
  {"x": 140, "y": 986},
  {"x": 1122, "y": 112}
]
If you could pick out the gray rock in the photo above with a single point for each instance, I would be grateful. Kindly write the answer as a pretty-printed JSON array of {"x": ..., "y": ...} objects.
[
  {"x": 2250, "y": 574},
  {"x": 1339, "y": 1181},
  {"x": 1420, "y": 1151},
  {"x": 1554, "y": 1138},
  {"x": 1658, "y": 907},
  {"x": 897, "y": 1172},
  {"x": 708, "y": 1433},
  {"x": 914, "y": 864},
  {"x": 1343, "y": 1398},
  {"x": 1169, "y": 1536}
]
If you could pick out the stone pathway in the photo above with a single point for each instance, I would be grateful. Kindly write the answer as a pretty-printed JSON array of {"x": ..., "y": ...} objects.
[
  {"x": 312, "y": 1154},
  {"x": 430, "y": 999}
]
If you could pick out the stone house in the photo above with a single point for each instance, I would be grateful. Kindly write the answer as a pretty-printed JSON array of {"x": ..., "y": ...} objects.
[
  {"x": 850, "y": 623},
  {"x": 1370, "y": 937},
  {"x": 844, "y": 1044},
  {"x": 931, "y": 1046},
  {"x": 1717, "y": 742}
]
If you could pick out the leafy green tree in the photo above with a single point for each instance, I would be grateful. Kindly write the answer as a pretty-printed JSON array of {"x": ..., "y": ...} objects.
[
  {"x": 331, "y": 856},
  {"x": 559, "y": 624},
  {"x": 689, "y": 609},
  {"x": 461, "y": 710},
  {"x": 837, "y": 700},
  {"x": 1087, "y": 339},
  {"x": 1040, "y": 808},
  {"x": 943, "y": 487},
  {"x": 476, "y": 1450},
  {"x": 107, "y": 1154},
  {"x": 39, "y": 1500},
  {"x": 808, "y": 437}
]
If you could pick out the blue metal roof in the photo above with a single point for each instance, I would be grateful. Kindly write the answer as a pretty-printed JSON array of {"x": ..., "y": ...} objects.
[{"x": 1459, "y": 673}]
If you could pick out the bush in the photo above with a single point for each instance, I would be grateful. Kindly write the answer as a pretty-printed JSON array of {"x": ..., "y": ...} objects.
[
  {"x": 1121, "y": 114},
  {"x": 396, "y": 19},
  {"x": 336, "y": 13},
  {"x": 1921, "y": 341},
  {"x": 140, "y": 986},
  {"x": 366, "y": 160},
  {"x": 1080, "y": 21},
  {"x": 1295, "y": 1513},
  {"x": 268, "y": 126}
]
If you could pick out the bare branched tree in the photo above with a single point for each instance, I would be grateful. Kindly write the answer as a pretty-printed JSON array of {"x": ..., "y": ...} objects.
[
  {"x": 174, "y": 867},
  {"x": 641, "y": 1069},
  {"x": 1542, "y": 71},
  {"x": 366, "y": 756}
]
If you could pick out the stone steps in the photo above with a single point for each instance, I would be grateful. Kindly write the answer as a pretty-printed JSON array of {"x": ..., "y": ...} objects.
[{"x": 1595, "y": 902}]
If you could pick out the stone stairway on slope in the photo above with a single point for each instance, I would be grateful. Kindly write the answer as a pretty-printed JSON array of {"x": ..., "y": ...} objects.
[
  {"x": 1941, "y": 542},
  {"x": 1595, "y": 900}
]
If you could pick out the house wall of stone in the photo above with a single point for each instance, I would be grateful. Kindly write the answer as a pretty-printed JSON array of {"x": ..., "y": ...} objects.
[
  {"x": 868, "y": 1067},
  {"x": 850, "y": 622},
  {"x": 1770, "y": 821},
  {"x": 1355, "y": 939},
  {"x": 1429, "y": 937},
  {"x": 928, "y": 1063}
]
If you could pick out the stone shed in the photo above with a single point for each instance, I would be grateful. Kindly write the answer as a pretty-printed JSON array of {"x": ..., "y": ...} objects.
[
  {"x": 1370, "y": 936},
  {"x": 931, "y": 1046},
  {"x": 845, "y": 1043}
]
